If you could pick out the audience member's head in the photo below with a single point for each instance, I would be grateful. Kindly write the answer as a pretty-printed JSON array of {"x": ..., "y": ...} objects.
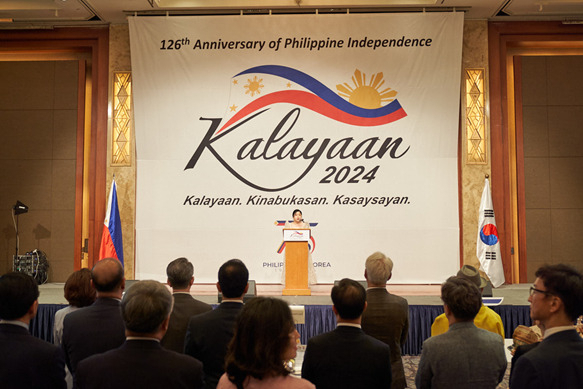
[
  {"x": 472, "y": 274},
  {"x": 265, "y": 336},
  {"x": 180, "y": 273},
  {"x": 566, "y": 283},
  {"x": 462, "y": 297},
  {"x": 108, "y": 276},
  {"x": 379, "y": 269},
  {"x": 145, "y": 307},
  {"x": 233, "y": 278},
  {"x": 349, "y": 298},
  {"x": 79, "y": 291},
  {"x": 18, "y": 294}
]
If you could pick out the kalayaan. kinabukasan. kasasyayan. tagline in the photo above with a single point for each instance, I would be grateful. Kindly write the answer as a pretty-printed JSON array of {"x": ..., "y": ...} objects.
[{"x": 252, "y": 200}]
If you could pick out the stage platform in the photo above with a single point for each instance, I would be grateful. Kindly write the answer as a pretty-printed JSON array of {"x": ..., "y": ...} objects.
[
  {"x": 424, "y": 306},
  {"x": 516, "y": 294}
]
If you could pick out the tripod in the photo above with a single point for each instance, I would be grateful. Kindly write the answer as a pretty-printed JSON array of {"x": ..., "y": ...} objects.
[{"x": 17, "y": 209}]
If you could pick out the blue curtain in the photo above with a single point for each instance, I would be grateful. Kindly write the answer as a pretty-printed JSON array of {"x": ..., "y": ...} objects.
[
  {"x": 320, "y": 319},
  {"x": 512, "y": 316},
  {"x": 420, "y": 319},
  {"x": 42, "y": 325}
]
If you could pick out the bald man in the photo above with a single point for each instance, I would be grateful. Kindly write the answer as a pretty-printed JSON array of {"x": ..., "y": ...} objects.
[{"x": 98, "y": 327}]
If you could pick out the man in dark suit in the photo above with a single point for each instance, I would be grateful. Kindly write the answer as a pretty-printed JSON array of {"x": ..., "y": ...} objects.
[
  {"x": 386, "y": 317},
  {"x": 465, "y": 356},
  {"x": 347, "y": 357},
  {"x": 180, "y": 278},
  {"x": 208, "y": 334},
  {"x": 556, "y": 300},
  {"x": 98, "y": 327},
  {"x": 25, "y": 361},
  {"x": 141, "y": 362}
]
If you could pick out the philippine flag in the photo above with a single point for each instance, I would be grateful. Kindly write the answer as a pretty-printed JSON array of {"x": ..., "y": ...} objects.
[
  {"x": 111, "y": 240},
  {"x": 488, "y": 242}
]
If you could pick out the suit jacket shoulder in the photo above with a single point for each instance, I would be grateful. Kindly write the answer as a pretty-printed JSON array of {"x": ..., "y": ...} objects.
[
  {"x": 185, "y": 306},
  {"x": 347, "y": 357},
  {"x": 208, "y": 336},
  {"x": 139, "y": 364},
  {"x": 520, "y": 351},
  {"x": 557, "y": 362},
  {"x": 187, "y": 302},
  {"x": 92, "y": 330},
  {"x": 480, "y": 352},
  {"x": 28, "y": 362},
  {"x": 382, "y": 298},
  {"x": 224, "y": 315},
  {"x": 386, "y": 318}
]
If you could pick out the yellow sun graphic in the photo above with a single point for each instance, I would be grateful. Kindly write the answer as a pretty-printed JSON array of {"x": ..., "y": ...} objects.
[
  {"x": 254, "y": 86},
  {"x": 366, "y": 96}
]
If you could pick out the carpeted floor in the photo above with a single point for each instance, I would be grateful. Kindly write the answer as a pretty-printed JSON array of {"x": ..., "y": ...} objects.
[{"x": 412, "y": 362}]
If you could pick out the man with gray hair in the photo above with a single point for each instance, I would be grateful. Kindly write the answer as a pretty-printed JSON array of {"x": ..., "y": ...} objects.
[
  {"x": 141, "y": 362},
  {"x": 465, "y": 356},
  {"x": 180, "y": 274},
  {"x": 386, "y": 317}
]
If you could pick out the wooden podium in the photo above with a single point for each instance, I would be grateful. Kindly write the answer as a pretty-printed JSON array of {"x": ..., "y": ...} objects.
[{"x": 296, "y": 262}]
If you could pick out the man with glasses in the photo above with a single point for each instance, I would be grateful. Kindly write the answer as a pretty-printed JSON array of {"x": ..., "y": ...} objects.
[{"x": 556, "y": 300}]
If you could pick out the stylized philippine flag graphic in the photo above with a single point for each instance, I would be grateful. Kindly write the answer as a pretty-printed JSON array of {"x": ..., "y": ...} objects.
[
  {"x": 363, "y": 108},
  {"x": 311, "y": 245}
]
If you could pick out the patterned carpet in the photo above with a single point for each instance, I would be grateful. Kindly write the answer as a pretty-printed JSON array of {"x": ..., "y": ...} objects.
[{"x": 412, "y": 362}]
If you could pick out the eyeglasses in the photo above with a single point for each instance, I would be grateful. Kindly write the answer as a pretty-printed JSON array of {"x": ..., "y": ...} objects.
[{"x": 533, "y": 289}]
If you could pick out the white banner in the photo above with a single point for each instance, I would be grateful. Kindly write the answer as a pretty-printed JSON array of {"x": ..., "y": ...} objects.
[{"x": 351, "y": 118}]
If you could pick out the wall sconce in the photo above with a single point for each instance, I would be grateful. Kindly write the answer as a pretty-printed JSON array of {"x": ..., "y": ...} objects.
[
  {"x": 122, "y": 119},
  {"x": 475, "y": 117}
]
